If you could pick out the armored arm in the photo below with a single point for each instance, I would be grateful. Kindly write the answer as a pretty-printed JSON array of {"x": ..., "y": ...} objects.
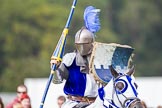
[
  {"x": 61, "y": 71},
  {"x": 60, "y": 74}
]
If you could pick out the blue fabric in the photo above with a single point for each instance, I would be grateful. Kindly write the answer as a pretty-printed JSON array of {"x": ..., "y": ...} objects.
[
  {"x": 125, "y": 86},
  {"x": 101, "y": 93},
  {"x": 76, "y": 83},
  {"x": 112, "y": 105},
  {"x": 133, "y": 88},
  {"x": 129, "y": 102}
]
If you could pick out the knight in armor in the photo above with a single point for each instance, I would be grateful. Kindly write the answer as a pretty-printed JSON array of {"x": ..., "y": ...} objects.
[{"x": 80, "y": 86}]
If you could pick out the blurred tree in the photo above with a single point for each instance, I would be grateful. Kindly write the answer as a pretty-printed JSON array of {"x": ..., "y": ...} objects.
[
  {"x": 29, "y": 38},
  {"x": 29, "y": 31},
  {"x": 138, "y": 23}
]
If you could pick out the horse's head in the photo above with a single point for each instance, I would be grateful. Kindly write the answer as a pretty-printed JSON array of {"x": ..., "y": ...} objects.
[{"x": 124, "y": 93}]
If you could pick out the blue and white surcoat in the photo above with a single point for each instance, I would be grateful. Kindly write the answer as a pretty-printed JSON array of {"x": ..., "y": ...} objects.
[{"x": 77, "y": 83}]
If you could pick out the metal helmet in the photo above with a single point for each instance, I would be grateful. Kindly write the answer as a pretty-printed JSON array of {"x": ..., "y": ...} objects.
[{"x": 83, "y": 41}]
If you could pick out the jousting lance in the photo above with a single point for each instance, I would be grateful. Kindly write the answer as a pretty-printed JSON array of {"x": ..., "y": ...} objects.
[{"x": 59, "y": 51}]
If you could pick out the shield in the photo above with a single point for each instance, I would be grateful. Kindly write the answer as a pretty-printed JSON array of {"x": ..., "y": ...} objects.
[{"x": 104, "y": 55}]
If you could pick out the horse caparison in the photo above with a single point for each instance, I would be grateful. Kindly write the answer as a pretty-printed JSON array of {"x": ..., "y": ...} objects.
[{"x": 121, "y": 86}]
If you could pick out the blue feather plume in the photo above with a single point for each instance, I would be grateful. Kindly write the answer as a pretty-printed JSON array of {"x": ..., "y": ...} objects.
[{"x": 91, "y": 19}]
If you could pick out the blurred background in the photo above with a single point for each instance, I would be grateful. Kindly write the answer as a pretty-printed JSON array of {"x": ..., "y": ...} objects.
[{"x": 30, "y": 30}]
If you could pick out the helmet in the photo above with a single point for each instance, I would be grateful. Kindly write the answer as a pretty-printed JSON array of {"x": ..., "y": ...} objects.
[
  {"x": 83, "y": 41},
  {"x": 84, "y": 36}
]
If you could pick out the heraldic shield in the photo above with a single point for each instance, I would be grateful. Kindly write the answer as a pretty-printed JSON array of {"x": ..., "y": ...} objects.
[{"x": 104, "y": 55}]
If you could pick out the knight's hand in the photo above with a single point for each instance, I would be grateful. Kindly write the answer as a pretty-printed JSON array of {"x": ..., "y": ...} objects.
[{"x": 54, "y": 61}]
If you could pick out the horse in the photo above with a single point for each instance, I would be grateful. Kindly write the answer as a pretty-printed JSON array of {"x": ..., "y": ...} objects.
[{"x": 120, "y": 92}]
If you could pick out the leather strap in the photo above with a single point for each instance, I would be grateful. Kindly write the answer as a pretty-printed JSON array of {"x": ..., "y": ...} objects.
[{"x": 82, "y": 99}]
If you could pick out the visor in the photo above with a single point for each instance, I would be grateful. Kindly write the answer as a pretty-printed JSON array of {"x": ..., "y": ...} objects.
[{"x": 84, "y": 49}]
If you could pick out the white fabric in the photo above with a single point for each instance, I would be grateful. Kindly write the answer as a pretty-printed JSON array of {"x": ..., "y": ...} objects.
[
  {"x": 91, "y": 91},
  {"x": 107, "y": 103},
  {"x": 97, "y": 104},
  {"x": 129, "y": 92},
  {"x": 69, "y": 104},
  {"x": 109, "y": 91},
  {"x": 91, "y": 86}
]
